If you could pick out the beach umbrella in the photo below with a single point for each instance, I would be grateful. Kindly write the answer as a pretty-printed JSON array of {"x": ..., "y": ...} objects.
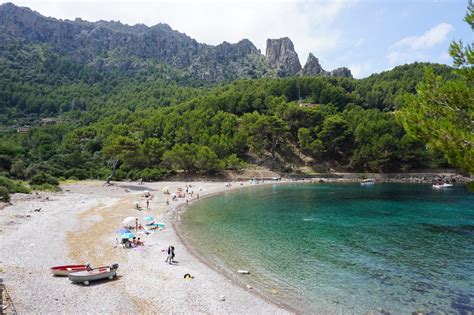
[
  {"x": 160, "y": 224},
  {"x": 149, "y": 218},
  {"x": 128, "y": 235},
  {"x": 123, "y": 230},
  {"x": 166, "y": 190},
  {"x": 128, "y": 220}
]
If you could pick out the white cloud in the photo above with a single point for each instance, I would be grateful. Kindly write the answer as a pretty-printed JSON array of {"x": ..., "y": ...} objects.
[
  {"x": 309, "y": 23},
  {"x": 430, "y": 38},
  {"x": 416, "y": 48}
]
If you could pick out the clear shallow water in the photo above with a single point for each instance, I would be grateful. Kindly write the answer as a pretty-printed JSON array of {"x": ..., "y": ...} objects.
[{"x": 345, "y": 247}]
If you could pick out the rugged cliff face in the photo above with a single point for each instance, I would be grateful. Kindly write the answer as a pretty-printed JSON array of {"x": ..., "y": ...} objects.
[
  {"x": 281, "y": 55},
  {"x": 312, "y": 67},
  {"x": 115, "y": 45}
]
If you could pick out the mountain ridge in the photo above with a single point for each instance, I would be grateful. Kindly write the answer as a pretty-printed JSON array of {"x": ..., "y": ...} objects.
[{"x": 112, "y": 43}]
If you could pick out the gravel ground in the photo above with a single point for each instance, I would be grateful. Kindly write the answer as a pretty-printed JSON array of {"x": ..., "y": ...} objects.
[{"x": 79, "y": 224}]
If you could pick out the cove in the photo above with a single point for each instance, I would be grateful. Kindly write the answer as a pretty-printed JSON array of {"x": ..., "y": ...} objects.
[{"x": 344, "y": 247}]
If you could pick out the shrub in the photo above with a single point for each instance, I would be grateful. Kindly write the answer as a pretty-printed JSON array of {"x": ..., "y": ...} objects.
[
  {"x": 470, "y": 186},
  {"x": 46, "y": 187},
  {"x": 4, "y": 194},
  {"x": 151, "y": 174},
  {"x": 13, "y": 186},
  {"x": 77, "y": 173},
  {"x": 43, "y": 178}
]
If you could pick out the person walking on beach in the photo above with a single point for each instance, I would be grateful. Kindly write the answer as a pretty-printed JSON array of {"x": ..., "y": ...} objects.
[
  {"x": 147, "y": 203},
  {"x": 170, "y": 258},
  {"x": 136, "y": 224}
]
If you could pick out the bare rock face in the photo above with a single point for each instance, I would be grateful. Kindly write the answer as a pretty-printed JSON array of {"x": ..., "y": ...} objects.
[
  {"x": 109, "y": 45},
  {"x": 341, "y": 72},
  {"x": 281, "y": 55},
  {"x": 312, "y": 67}
]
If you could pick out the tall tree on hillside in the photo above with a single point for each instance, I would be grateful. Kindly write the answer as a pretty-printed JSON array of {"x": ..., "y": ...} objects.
[
  {"x": 117, "y": 149},
  {"x": 442, "y": 112}
]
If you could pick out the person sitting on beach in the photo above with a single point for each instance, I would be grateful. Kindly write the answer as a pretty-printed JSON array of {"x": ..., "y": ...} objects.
[
  {"x": 134, "y": 242},
  {"x": 140, "y": 243}
]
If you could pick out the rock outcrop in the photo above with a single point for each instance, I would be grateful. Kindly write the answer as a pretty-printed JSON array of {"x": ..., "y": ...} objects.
[
  {"x": 312, "y": 67},
  {"x": 113, "y": 45},
  {"x": 341, "y": 72},
  {"x": 281, "y": 55}
]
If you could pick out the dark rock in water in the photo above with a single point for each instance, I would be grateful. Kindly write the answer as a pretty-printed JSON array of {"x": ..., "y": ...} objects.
[
  {"x": 462, "y": 229},
  {"x": 462, "y": 304}
]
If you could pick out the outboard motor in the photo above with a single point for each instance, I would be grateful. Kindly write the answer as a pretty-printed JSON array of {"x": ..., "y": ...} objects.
[{"x": 115, "y": 266}]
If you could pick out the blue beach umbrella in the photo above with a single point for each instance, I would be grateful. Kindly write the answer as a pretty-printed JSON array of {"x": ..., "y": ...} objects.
[
  {"x": 149, "y": 218},
  {"x": 123, "y": 231},
  {"x": 128, "y": 235}
]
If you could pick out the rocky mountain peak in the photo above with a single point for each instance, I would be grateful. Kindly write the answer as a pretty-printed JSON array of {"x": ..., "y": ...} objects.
[
  {"x": 112, "y": 44},
  {"x": 312, "y": 66},
  {"x": 341, "y": 72},
  {"x": 281, "y": 55}
]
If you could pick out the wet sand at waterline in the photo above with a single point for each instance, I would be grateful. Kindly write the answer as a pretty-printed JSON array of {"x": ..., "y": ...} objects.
[{"x": 78, "y": 225}]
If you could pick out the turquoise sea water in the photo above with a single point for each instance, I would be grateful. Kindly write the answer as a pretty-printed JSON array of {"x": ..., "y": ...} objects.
[{"x": 344, "y": 247}]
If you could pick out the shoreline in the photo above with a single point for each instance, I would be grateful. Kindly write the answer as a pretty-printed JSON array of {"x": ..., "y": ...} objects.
[
  {"x": 220, "y": 268},
  {"x": 79, "y": 225}
]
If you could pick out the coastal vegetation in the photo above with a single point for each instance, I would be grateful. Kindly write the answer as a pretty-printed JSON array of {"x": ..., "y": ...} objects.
[
  {"x": 61, "y": 118},
  {"x": 151, "y": 129},
  {"x": 441, "y": 113}
]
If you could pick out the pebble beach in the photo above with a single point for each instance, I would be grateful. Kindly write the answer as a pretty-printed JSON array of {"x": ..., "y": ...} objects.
[{"x": 78, "y": 225}]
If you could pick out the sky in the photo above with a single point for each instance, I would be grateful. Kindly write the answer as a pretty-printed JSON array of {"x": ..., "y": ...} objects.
[{"x": 368, "y": 36}]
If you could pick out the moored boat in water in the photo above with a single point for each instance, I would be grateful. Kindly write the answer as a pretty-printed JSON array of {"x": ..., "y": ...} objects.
[
  {"x": 86, "y": 276},
  {"x": 444, "y": 185},
  {"x": 368, "y": 181}
]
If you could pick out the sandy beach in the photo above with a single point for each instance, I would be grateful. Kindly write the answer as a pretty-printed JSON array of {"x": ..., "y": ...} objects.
[{"x": 78, "y": 225}]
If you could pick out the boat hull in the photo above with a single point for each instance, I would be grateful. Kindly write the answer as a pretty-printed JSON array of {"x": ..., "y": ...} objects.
[
  {"x": 63, "y": 271},
  {"x": 96, "y": 274},
  {"x": 442, "y": 186}
]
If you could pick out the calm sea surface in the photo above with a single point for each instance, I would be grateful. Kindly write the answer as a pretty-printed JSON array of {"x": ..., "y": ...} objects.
[{"x": 344, "y": 247}]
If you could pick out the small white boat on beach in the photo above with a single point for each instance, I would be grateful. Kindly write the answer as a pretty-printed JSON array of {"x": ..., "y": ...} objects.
[
  {"x": 85, "y": 277},
  {"x": 444, "y": 185},
  {"x": 368, "y": 181}
]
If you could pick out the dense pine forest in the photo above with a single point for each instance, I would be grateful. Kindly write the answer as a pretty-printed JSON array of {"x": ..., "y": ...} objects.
[
  {"x": 81, "y": 122},
  {"x": 113, "y": 114}
]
